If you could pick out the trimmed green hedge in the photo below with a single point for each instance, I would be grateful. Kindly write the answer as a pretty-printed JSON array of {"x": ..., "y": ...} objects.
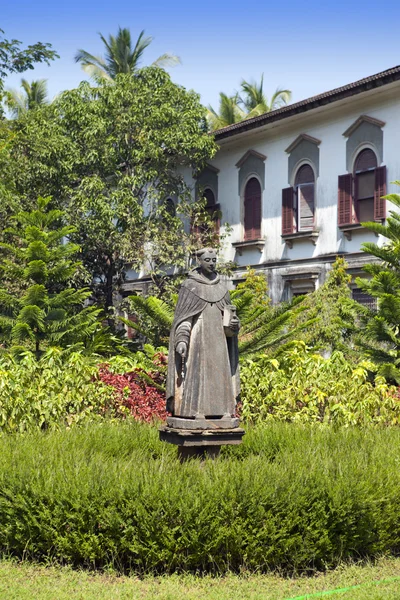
[{"x": 291, "y": 497}]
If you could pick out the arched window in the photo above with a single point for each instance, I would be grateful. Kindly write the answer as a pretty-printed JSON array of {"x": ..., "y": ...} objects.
[
  {"x": 212, "y": 209},
  {"x": 252, "y": 210},
  {"x": 360, "y": 194},
  {"x": 304, "y": 207},
  {"x": 364, "y": 185},
  {"x": 170, "y": 207},
  {"x": 203, "y": 229}
]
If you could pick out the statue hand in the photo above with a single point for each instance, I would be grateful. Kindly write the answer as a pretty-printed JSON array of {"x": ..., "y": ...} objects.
[
  {"x": 181, "y": 349},
  {"x": 234, "y": 324}
]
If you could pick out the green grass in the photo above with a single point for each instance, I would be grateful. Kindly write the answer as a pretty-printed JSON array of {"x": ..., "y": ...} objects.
[
  {"x": 293, "y": 498},
  {"x": 31, "y": 582}
]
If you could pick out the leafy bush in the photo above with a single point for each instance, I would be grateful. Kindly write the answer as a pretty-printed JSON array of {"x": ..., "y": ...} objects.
[
  {"x": 62, "y": 390},
  {"x": 140, "y": 391},
  {"x": 305, "y": 387},
  {"x": 50, "y": 392},
  {"x": 291, "y": 497}
]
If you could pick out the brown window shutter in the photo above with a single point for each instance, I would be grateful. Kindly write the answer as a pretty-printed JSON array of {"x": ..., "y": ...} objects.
[
  {"x": 252, "y": 210},
  {"x": 380, "y": 190},
  {"x": 256, "y": 217},
  {"x": 287, "y": 211},
  {"x": 345, "y": 199},
  {"x": 248, "y": 218}
]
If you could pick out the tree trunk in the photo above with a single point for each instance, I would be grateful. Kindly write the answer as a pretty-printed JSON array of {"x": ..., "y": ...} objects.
[{"x": 109, "y": 288}]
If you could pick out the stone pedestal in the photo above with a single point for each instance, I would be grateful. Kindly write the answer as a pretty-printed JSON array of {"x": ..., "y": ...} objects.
[{"x": 200, "y": 443}]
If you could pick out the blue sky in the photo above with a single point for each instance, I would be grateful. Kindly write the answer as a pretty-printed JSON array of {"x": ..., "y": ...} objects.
[{"x": 309, "y": 46}]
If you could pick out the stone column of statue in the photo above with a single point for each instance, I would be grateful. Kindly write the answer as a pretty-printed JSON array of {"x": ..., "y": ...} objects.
[{"x": 203, "y": 373}]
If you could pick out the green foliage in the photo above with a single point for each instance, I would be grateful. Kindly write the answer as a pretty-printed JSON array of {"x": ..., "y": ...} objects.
[
  {"x": 51, "y": 393},
  {"x": 120, "y": 56},
  {"x": 251, "y": 102},
  {"x": 153, "y": 318},
  {"x": 34, "y": 94},
  {"x": 264, "y": 328},
  {"x": 13, "y": 59},
  {"x": 302, "y": 386},
  {"x": 255, "y": 101},
  {"x": 38, "y": 303},
  {"x": 229, "y": 112},
  {"x": 380, "y": 336},
  {"x": 290, "y": 498},
  {"x": 62, "y": 389},
  {"x": 333, "y": 314},
  {"x": 110, "y": 156}
]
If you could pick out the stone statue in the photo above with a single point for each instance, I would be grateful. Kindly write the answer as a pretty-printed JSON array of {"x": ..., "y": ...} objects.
[{"x": 203, "y": 372}]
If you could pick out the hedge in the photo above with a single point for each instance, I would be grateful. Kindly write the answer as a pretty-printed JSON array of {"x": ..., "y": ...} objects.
[{"x": 292, "y": 497}]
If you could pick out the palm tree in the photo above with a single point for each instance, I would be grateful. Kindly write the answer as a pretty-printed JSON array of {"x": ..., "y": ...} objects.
[
  {"x": 256, "y": 102},
  {"x": 33, "y": 94},
  {"x": 228, "y": 114},
  {"x": 120, "y": 57}
]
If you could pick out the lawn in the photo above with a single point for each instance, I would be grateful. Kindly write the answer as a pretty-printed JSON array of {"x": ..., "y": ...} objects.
[{"x": 24, "y": 581}]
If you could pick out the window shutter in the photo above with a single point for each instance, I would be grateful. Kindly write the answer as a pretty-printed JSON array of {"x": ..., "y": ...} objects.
[
  {"x": 287, "y": 211},
  {"x": 256, "y": 217},
  {"x": 345, "y": 199},
  {"x": 380, "y": 190},
  {"x": 248, "y": 218},
  {"x": 252, "y": 210},
  {"x": 306, "y": 202}
]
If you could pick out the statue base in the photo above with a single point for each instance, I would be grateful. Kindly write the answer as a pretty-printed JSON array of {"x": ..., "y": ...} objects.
[
  {"x": 200, "y": 443},
  {"x": 203, "y": 423}
]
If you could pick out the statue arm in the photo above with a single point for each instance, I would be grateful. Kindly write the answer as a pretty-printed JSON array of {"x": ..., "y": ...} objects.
[{"x": 182, "y": 336}]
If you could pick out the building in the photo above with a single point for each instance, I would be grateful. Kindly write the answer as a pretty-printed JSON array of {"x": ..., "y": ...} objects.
[{"x": 295, "y": 184}]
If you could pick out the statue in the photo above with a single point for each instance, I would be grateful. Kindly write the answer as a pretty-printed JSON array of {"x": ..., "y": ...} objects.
[{"x": 203, "y": 372}]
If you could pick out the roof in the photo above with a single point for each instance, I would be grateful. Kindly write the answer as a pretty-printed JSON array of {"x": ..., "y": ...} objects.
[{"x": 351, "y": 89}]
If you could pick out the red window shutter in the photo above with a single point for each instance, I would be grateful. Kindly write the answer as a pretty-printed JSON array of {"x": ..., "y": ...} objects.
[
  {"x": 345, "y": 199},
  {"x": 287, "y": 211},
  {"x": 252, "y": 210},
  {"x": 380, "y": 190}
]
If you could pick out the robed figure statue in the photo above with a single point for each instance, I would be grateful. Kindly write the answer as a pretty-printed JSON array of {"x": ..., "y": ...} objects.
[{"x": 203, "y": 371}]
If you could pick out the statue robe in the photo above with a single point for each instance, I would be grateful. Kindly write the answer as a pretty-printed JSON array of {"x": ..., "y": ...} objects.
[{"x": 210, "y": 382}]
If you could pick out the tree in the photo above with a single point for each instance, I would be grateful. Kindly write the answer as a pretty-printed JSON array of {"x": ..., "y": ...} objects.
[
  {"x": 264, "y": 328},
  {"x": 255, "y": 102},
  {"x": 229, "y": 112},
  {"x": 39, "y": 305},
  {"x": 33, "y": 94},
  {"x": 380, "y": 337},
  {"x": 120, "y": 56},
  {"x": 13, "y": 59},
  {"x": 111, "y": 156},
  {"x": 333, "y": 315},
  {"x": 236, "y": 108}
]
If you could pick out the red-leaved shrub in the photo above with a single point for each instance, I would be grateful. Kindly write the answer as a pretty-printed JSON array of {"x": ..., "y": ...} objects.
[{"x": 134, "y": 391}]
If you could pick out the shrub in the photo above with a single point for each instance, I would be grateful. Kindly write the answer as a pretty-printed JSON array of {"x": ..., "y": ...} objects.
[
  {"x": 134, "y": 392},
  {"x": 61, "y": 390},
  {"x": 305, "y": 387},
  {"x": 291, "y": 497},
  {"x": 50, "y": 392}
]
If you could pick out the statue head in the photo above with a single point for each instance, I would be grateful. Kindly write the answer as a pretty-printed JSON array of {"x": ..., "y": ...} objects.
[{"x": 207, "y": 259}]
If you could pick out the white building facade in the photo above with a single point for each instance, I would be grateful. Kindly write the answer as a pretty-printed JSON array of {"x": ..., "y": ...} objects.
[{"x": 295, "y": 184}]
